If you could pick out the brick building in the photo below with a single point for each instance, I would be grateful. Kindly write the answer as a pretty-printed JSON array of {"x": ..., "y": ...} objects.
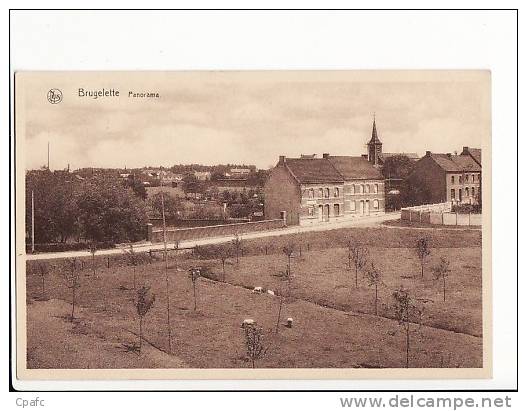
[
  {"x": 449, "y": 177},
  {"x": 310, "y": 190}
]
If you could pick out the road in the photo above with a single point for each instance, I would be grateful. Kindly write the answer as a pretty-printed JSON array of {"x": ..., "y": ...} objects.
[{"x": 371, "y": 221}]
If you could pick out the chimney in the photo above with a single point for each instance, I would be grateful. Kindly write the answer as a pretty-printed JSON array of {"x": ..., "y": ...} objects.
[
  {"x": 325, "y": 155},
  {"x": 428, "y": 153},
  {"x": 281, "y": 160},
  {"x": 465, "y": 149}
]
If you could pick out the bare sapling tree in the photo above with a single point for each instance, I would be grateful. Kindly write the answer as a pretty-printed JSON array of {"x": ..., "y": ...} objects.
[
  {"x": 165, "y": 255},
  {"x": 223, "y": 255},
  {"x": 43, "y": 272},
  {"x": 374, "y": 277},
  {"x": 145, "y": 301},
  {"x": 71, "y": 278},
  {"x": 422, "y": 249},
  {"x": 254, "y": 343},
  {"x": 406, "y": 313},
  {"x": 176, "y": 251},
  {"x": 289, "y": 250},
  {"x": 194, "y": 275},
  {"x": 133, "y": 261},
  {"x": 357, "y": 258},
  {"x": 237, "y": 244},
  {"x": 441, "y": 272},
  {"x": 93, "y": 250}
]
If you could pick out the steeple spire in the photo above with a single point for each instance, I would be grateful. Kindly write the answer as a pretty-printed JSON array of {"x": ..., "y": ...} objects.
[
  {"x": 374, "y": 138},
  {"x": 374, "y": 145}
]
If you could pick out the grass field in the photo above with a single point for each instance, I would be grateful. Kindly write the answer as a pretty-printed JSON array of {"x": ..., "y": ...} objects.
[{"x": 333, "y": 321}]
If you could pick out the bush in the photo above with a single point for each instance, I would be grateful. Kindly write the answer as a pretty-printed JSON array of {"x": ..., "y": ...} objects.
[{"x": 59, "y": 247}]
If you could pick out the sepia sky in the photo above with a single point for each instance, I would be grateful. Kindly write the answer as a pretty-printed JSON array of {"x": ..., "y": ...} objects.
[{"x": 246, "y": 117}]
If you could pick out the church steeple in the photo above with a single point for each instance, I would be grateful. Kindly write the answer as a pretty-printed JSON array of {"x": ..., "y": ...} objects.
[{"x": 374, "y": 145}]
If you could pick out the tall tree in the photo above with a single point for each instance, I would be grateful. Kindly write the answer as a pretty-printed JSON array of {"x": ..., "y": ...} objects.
[{"x": 422, "y": 248}]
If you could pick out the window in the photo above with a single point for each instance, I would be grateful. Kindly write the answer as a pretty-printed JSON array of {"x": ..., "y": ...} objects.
[
  {"x": 467, "y": 193},
  {"x": 460, "y": 180},
  {"x": 353, "y": 189},
  {"x": 367, "y": 188},
  {"x": 473, "y": 192},
  {"x": 460, "y": 194},
  {"x": 375, "y": 204},
  {"x": 337, "y": 192},
  {"x": 352, "y": 205},
  {"x": 376, "y": 188},
  {"x": 452, "y": 194},
  {"x": 327, "y": 193},
  {"x": 336, "y": 209},
  {"x": 466, "y": 178},
  {"x": 311, "y": 211},
  {"x": 361, "y": 189},
  {"x": 311, "y": 193},
  {"x": 320, "y": 192},
  {"x": 477, "y": 177},
  {"x": 452, "y": 180},
  {"x": 473, "y": 177}
]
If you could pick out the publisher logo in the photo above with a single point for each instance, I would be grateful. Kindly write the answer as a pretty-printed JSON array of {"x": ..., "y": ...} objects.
[{"x": 54, "y": 96}]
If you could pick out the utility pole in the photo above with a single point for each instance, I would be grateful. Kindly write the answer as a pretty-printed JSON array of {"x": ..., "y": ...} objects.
[
  {"x": 166, "y": 262},
  {"x": 32, "y": 221},
  {"x": 48, "y": 155}
]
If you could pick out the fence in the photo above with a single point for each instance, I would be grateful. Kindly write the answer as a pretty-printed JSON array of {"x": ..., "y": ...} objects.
[
  {"x": 438, "y": 214},
  {"x": 155, "y": 235}
]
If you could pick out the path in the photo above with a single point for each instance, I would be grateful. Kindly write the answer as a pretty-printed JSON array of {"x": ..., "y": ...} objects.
[{"x": 373, "y": 221}]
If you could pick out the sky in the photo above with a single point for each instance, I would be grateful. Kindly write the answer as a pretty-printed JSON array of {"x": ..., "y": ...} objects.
[{"x": 246, "y": 117}]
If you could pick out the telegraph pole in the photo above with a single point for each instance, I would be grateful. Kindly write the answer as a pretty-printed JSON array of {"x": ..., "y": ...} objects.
[
  {"x": 32, "y": 221},
  {"x": 166, "y": 262}
]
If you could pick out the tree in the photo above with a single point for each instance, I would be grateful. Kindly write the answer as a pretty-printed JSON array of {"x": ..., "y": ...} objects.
[
  {"x": 423, "y": 251},
  {"x": 173, "y": 206},
  {"x": 93, "y": 250},
  {"x": 145, "y": 301},
  {"x": 71, "y": 278},
  {"x": 357, "y": 257},
  {"x": 289, "y": 250},
  {"x": 109, "y": 212},
  {"x": 237, "y": 244},
  {"x": 132, "y": 260},
  {"x": 194, "y": 275},
  {"x": 406, "y": 313},
  {"x": 374, "y": 278},
  {"x": 223, "y": 253},
  {"x": 137, "y": 186},
  {"x": 441, "y": 272},
  {"x": 254, "y": 343},
  {"x": 192, "y": 185},
  {"x": 43, "y": 272},
  {"x": 55, "y": 207},
  {"x": 398, "y": 166}
]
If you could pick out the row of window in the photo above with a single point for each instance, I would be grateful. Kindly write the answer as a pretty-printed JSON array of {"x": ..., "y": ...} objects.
[
  {"x": 352, "y": 205},
  {"x": 468, "y": 193},
  {"x": 355, "y": 189},
  {"x": 468, "y": 178}
]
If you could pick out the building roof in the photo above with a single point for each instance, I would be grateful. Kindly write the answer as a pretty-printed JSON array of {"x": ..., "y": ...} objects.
[
  {"x": 455, "y": 163},
  {"x": 331, "y": 169},
  {"x": 411, "y": 156},
  {"x": 313, "y": 170},
  {"x": 355, "y": 168},
  {"x": 475, "y": 153}
]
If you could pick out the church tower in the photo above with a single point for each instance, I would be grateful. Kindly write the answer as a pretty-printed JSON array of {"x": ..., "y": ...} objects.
[{"x": 374, "y": 146}]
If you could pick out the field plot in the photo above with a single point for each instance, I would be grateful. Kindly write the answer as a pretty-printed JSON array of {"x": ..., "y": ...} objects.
[{"x": 334, "y": 325}]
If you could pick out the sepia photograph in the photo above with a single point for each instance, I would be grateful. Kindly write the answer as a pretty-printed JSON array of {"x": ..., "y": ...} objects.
[{"x": 253, "y": 224}]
